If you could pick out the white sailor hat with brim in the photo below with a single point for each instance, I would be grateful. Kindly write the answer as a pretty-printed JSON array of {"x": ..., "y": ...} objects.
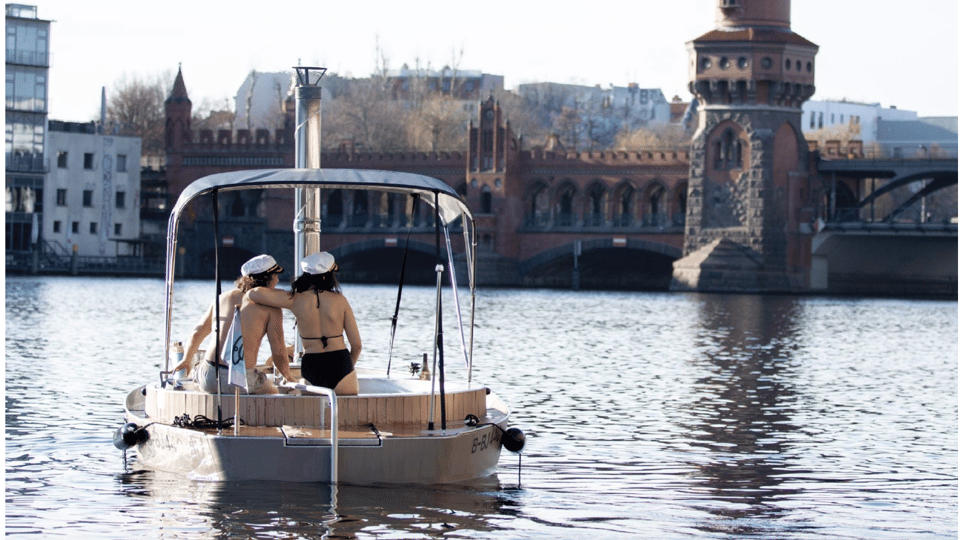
[
  {"x": 259, "y": 265},
  {"x": 318, "y": 263}
]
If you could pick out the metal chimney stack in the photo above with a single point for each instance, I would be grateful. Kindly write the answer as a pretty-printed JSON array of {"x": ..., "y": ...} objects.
[{"x": 307, "y": 153}]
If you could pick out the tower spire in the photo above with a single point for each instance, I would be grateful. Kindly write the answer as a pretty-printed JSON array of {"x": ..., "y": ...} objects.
[{"x": 179, "y": 92}]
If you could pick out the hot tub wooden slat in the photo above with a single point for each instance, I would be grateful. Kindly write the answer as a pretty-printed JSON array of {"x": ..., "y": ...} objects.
[{"x": 355, "y": 411}]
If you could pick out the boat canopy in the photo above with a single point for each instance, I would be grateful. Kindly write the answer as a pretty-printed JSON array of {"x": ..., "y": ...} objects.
[{"x": 451, "y": 206}]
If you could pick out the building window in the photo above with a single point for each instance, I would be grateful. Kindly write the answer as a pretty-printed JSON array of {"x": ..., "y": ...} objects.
[
  {"x": 121, "y": 163},
  {"x": 117, "y": 229},
  {"x": 121, "y": 199},
  {"x": 61, "y": 160},
  {"x": 727, "y": 151},
  {"x": 486, "y": 200},
  {"x": 75, "y": 227},
  {"x": 56, "y": 226},
  {"x": 88, "y": 161},
  {"x": 93, "y": 228},
  {"x": 61, "y": 197},
  {"x": 88, "y": 198}
]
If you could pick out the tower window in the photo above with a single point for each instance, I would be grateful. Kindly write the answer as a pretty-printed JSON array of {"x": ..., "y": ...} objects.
[{"x": 728, "y": 151}]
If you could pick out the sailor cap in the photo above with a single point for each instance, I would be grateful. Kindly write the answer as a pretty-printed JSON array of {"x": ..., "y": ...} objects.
[
  {"x": 318, "y": 263},
  {"x": 259, "y": 265}
]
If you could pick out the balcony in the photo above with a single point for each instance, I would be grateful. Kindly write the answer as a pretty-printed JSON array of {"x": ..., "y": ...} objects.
[
  {"x": 28, "y": 58},
  {"x": 25, "y": 163}
]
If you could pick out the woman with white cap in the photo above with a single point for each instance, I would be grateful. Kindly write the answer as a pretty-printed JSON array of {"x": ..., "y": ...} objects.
[{"x": 324, "y": 318}]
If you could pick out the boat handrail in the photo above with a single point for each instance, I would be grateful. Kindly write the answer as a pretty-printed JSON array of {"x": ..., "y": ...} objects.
[{"x": 334, "y": 420}]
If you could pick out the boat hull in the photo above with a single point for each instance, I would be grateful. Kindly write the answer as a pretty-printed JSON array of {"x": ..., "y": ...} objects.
[{"x": 302, "y": 453}]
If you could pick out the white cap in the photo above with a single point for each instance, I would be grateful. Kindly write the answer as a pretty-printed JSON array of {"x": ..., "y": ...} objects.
[
  {"x": 317, "y": 263},
  {"x": 259, "y": 265}
]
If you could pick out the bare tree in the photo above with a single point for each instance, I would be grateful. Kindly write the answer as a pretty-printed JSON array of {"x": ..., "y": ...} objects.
[
  {"x": 213, "y": 115},
  {"x": 135, "y": 108},
  {"x": 660, "y": 137}
]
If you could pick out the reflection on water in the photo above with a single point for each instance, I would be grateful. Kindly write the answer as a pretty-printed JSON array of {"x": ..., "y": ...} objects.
[
  {"x": 246, "y": 509},
  {"x": 647, "y": 415},
  {"x": 741, "y": 416}
]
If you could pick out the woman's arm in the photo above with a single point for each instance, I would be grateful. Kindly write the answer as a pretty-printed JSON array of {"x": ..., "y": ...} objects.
[
  {"x": 271, "y": 297},
  {"x": 202, "y": 330},
  {"x": 278, "y": 348},
  {"x": 351, "y": 330}
]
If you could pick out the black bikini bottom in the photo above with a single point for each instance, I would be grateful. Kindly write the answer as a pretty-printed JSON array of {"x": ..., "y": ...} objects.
[{"x": 326, "y": 369}]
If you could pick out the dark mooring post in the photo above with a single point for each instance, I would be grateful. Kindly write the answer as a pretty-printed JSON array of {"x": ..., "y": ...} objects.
[{"x": 576, "y": 265}]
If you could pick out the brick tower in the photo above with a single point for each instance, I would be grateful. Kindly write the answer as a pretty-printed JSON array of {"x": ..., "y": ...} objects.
[
  {"x": 493, "y": 190},
  {"x": 748, "y": 159}
]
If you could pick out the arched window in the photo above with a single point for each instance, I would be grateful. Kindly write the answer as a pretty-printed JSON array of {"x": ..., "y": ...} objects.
[
  {"x": 335, "y": 208},
  {"x": 486, "y": 200},
  {"x": 361, "y": 209},
  {"x": 565, "y": 216},
  {"x": 727, "y": 151},
  {"x": 681, "y": 217},
  {"x": 539, "y": 215},
  {"x": 655, "y": 208},
  {"x": 595, "y": 209},
  {"x": 236, "y": 206},
  {"x": 625, "y": 207}
]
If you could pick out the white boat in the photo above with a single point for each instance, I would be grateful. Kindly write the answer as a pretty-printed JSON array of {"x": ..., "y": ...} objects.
[{"x": 398, "y": 429}]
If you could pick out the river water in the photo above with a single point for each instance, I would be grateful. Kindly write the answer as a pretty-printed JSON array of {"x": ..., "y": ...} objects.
[{"x": 647, "y": 416}]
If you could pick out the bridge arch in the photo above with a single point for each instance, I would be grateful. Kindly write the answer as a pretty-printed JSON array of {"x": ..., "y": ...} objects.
[
  {"x": 939, "y": 180},
  {"x": 603, "y": 263},
  {"x": 373, "y": 261}
]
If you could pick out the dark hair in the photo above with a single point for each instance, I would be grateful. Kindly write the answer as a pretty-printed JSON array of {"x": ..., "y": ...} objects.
[
  {"x": 245, "y": 283},
  {"x": 318, "y": 282}
]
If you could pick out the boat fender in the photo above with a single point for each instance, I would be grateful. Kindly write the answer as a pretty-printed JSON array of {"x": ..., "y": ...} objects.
[
  {"x": 128, "y": 435},
  {"x": 513, "y": 440}
]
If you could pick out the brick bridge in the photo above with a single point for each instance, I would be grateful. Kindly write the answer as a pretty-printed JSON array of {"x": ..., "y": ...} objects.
[{"x": 545, "y": 216}]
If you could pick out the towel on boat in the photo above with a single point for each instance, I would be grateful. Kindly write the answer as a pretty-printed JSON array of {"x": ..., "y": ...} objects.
[{"x": 233, "y": 353}]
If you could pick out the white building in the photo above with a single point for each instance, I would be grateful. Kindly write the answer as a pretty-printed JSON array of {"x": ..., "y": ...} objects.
[
  {"x": 92, "y": 191},
  {"x": 259, "y": 100},
  {"x": 603, "y": 112},
  {"x": 860, "y": 118},
  {"x": 895, "y": 132}
]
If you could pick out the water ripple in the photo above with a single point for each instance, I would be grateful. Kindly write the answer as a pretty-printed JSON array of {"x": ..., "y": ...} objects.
[{"x": 656, "y": 415}]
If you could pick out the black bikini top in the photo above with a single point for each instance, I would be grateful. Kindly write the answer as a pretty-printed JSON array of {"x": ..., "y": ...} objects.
[{"x": 323, "y": 339}]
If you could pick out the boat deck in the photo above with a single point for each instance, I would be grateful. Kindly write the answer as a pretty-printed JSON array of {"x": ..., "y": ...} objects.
[{"x": 399, "y": 406}]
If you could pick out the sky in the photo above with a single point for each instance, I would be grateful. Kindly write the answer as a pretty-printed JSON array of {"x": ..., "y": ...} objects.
[{"x": 882, "y": 51}]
